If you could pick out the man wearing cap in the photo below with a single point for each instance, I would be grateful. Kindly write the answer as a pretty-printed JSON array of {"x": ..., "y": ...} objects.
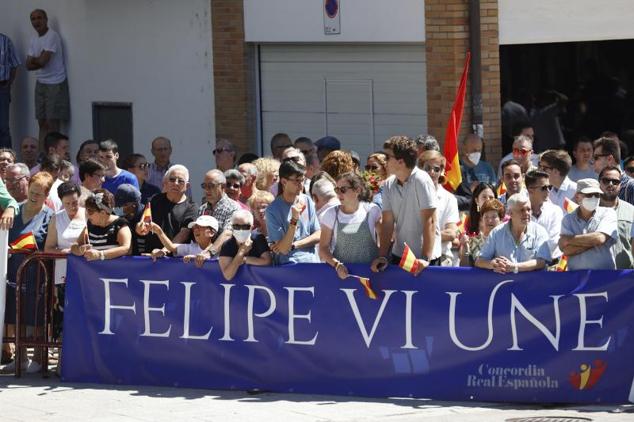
[
  {"x": 127, "y": 204},
  {"x": 244, "y": 247},
  {"x": 589, "y": 233},
  {"x": 519, "y": 244},
  {"x": 326, "y": 145},
  {"x": 204, "y": 228}
]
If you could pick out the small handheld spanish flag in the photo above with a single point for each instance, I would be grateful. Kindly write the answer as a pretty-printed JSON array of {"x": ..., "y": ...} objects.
[
  {"x": 501, "y": 189},
  {"x": 569, "y": 206},
  {"x": 147, "y": 214},
  {"x": 26, "y": 241},
  {"x": 408, "y": 260},
  {"x": 365, "y": 282},
  {"x": 562, "y": 265}
]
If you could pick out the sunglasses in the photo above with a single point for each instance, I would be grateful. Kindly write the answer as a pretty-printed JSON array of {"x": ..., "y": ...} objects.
[
  {"x": 234, "y": 185},
  {"x": 522, "y": 152},
  {"x": 371, "y": 168},
  {"x": 143, "y": 165},
  {"x": 210, "y": 185},
  {"x": 435, "y": 169},
  {"x": 608, "y": 181},
  {"x": 592, "y": 195},
  {"x": 343, "y": 189},
  {"x": 177, "y": 180},
  {"x": 219, "y": 150},
  {"x": 545, "y": 188},
  {"x": 241, "y": 227}
]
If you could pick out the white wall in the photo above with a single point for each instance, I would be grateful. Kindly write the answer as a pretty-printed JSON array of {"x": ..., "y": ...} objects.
[
  {"x": 155, "y": 54},
  {"x": 361, "y": 21},
  {"x": 541, "y": 21}
]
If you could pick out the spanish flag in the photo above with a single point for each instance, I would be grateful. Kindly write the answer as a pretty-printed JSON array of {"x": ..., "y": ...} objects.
[
  {"x": 562, "y": 265},
  {"x": 365, "y": 282},
  {"x": 26, "y": 241},
  {"x": 462, "y": 225},
  {"x": 501, "y": 189},
  {"x": 147, "y": 214},
  {"x": 569, "y": 206},
  {"x": 408, "y": 260},
  {"x": 452, "y": 171}
]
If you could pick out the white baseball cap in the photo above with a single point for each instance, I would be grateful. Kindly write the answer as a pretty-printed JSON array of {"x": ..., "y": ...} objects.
[{"x": 205, "y": 221}]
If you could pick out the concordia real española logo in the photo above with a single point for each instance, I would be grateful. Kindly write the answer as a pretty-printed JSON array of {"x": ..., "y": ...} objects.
[{"x": 588, "y": 375}]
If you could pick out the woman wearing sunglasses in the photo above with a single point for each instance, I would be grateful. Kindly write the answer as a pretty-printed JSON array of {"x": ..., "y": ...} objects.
[
  {"x": 138, "y": 165},
  {"x": 376, "y": 166},
  {"x": 349, "y": 232},
  {"x": 447, "y": 217}
]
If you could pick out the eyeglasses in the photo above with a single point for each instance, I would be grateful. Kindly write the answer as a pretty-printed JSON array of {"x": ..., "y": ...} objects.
[
  {"x": 522, "y": 152},
  {"x": 595, "y": 157},
  {"x": 343, "y": 189},
  {"x": 435, "y": 169},
  {"x": 14, "y": 181},
  {"x": 210, "y": 185},
  {"x": 177, "y": 180},
  {"x": 545, "y": 188},
  {"x": 372, "y": 168},
  {"x": 234, "y": 185},
  {"x": 219, "y": 150},
  {"x": 608, "y": 181},
  {"x": 241, "y": 227},
  {"x": 143, "y": 165},
  {"x": 545, "y": 168}
]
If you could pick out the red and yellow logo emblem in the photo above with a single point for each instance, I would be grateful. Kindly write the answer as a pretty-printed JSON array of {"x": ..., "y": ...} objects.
[{"x": 588, "y": 375}]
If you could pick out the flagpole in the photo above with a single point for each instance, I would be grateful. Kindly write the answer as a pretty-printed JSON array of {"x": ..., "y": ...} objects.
[{"x": 4, "y": 254}]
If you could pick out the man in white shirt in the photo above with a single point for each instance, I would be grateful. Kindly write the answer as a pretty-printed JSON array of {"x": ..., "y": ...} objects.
[
  {"x": 544, "y": 212},
  {"x": 46, "y": 56},
  {"x": 556, "y": 163}
]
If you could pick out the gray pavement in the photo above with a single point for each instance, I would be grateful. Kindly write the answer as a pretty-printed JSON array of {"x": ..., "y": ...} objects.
[{"x": 33, "y": 398}]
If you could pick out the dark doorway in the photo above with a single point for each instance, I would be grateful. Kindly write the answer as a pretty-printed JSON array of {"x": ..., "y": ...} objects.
[
  {"x": 596, "y": 77},
  {"x": 113, "y": 121}
]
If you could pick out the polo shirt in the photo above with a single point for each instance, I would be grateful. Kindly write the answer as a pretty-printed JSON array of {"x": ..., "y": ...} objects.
[
  {"x": 550, "y": 219},
  {"x": 603, "y": 220},
  {"x": 532, "y": 245},
  {"x": 406, "y": 201}
]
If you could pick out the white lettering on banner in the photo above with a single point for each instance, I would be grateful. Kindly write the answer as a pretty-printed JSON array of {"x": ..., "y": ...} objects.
[
  {"x": 583, "y": 321},
  {"x": 250, "y": 314},
  {"x": 227, "y": 314},
  {"x": 452, "y": 319},
  {"x": 408, "y": 319},
  {"x": 553, "y": 339},
  {"x": 357, "y": 315},
  {"x": 108, "y": 306},
  {"x": 187, "y": 314},
  {"x": 292, "y": 316},
  {"x": 147, "y": 309}
]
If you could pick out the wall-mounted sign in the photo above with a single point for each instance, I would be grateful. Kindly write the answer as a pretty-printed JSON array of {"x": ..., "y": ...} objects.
[{"x": 332, "y": 17}]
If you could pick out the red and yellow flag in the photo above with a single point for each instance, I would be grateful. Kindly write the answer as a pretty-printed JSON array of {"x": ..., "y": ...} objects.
[
  {"x": 462, "y": 225},
  {"x": 408, "y": 260},
  {"x": 26, "y": 241},
  {"x": 501, "y": 189},
  {"x": 452, "y": 170},
  {"x": 569, "y": 206},
  {"x": 562, "y": 265},
  {"x": 147, "y": 214},
  {"x": 365, "y": 282}
]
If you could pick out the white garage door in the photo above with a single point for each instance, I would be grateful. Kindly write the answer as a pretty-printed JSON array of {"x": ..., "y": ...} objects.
[{"x": 361, "y": 94}]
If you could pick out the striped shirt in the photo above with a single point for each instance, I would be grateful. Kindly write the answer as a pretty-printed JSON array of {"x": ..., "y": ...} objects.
[{"x": 8, "y": 58}]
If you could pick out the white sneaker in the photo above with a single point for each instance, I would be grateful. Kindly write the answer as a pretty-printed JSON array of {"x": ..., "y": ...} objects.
[
  {"x": 10, "y": 368},
  {"x": 33, "y": 367}
]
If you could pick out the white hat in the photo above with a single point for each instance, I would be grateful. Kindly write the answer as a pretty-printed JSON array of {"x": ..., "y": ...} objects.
[{"x": 205, "y": 221}]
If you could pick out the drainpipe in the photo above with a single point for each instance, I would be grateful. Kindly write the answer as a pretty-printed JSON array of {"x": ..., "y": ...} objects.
[{"x": 476, "y": 62}]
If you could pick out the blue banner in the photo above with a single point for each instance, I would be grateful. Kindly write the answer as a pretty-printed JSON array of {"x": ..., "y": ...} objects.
[{"x": 449, "y": 334}]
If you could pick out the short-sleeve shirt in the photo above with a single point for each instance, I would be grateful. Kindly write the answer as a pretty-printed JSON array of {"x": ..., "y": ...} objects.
[
  {"x": 170, "y": 216},
  {"x": 550, "y": 219},
  {"x": 446, "y": 212},
  {"x": 406, "y": 201},
  {"x": 371, "y": 210},
  {"x": 104, "y": 238},
  {"x": 8, "y": 59},
  {"x": 183, "y": 249},
  {"x": 532, "y": 245},
  {"x": 112, "y": 183},
  {"x": 54, "y": 72},
  {"x": 567, "y": 189},
  {"x": 623, "y": 248},
  {"x": 222, "y": 212},
  {"x": 260, "y": 246},
  {"x": 147, "y": 192},
  {"x": 604, "y": 221},
  {"x": 278, "y": 217}
]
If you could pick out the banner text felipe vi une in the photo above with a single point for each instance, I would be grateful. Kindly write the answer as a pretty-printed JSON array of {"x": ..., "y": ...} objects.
[{"x": 453, "y": 334}]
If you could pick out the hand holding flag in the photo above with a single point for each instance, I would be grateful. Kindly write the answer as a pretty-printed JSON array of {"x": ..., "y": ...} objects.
[
  {"x": 410, "y": 263},
  {"x": 365, "y": 282}
]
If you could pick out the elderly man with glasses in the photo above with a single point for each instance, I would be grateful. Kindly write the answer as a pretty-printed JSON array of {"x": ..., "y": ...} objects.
[
  {"x": 218, "y": 205},
  {"x": 17, "y": 181},
  {"x": 225, "y": 154},
  {"x": 589, "y": 233},
  {"x": 610, "y": 182}
]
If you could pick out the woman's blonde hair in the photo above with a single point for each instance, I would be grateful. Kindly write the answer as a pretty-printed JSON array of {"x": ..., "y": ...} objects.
[
  {"x": 433, "y": 155},
  {"x": 260, "y": 195},
  {"x": 265, "y": 166}
]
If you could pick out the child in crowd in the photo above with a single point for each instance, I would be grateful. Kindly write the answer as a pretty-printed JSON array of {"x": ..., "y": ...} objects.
[{"x": 204, "y": 228}]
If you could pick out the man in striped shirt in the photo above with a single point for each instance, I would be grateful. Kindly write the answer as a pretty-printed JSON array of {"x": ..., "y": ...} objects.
[{"x": 9, "y": 63}]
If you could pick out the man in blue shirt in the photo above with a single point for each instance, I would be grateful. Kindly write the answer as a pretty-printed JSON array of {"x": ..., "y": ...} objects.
[
  {"x": 474, "y": 170},
  {"x": 291, "y": 220},
  {"x": 115, "y": 176}
]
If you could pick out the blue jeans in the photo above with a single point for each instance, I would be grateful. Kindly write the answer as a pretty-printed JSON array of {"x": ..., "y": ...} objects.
[{"x": 5, "y": 101}]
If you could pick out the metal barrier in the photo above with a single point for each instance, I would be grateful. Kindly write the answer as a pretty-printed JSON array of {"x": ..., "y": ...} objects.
[{"x": 44, "y": 340}]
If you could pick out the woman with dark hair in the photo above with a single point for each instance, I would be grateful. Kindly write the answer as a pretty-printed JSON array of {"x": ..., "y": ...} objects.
[
  {"x": 87, "y": 150},
  {"x": 106, "y": 236},
  {"x": 491, "y": 213},
  {"x": 350, "y": 231},
  {"x": 482, "y": 193}
]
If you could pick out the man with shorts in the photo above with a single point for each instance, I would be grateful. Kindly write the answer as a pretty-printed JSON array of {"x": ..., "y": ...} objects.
[{"x": 46, "y": 56}]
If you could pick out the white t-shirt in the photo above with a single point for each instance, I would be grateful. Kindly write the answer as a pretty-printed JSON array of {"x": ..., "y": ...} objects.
[
  {"x": 54, "y": 72},
  {"x": 328, "y": 218},
  {"x": 446, "y": 212},
  {"x": 188, "y": 249}
]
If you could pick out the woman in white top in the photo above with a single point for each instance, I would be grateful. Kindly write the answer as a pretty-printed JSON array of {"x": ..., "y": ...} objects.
[
  {"x": 349, "y": 232},
  {"x": 447, "y": 216}
]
